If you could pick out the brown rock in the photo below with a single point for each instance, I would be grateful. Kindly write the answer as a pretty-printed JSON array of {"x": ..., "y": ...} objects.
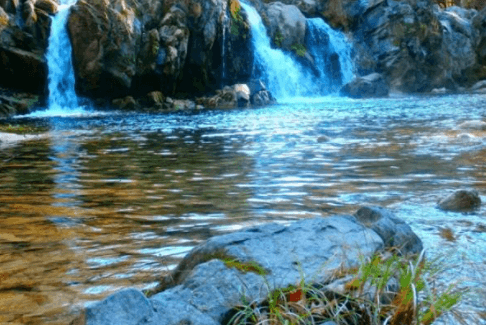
[
  {"x": 48, "y": 6},
  {"x": 126, "y": 103},
  {"x": 461, "y": 201}
]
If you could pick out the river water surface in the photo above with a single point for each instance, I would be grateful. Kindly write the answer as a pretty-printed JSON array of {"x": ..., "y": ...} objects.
[{"x": 113, "y": 200}]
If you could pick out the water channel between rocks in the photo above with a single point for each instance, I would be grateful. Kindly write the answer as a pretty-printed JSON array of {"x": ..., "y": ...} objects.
[{"x": 114, "y": 200}]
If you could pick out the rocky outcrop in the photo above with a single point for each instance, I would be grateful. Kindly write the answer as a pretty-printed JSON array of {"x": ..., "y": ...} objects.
[
  {"x": 417, "y": 46},
  {"x": 372, "y": 85},
  {"x": 127, "y": 47},
  {"x": 215, "y": 275},
  {"x": 24, "y": 30},
  {"x": 286, "y": 25},
  {"x": 460, "y": 201},
  {"x": 239, "y": 95}
]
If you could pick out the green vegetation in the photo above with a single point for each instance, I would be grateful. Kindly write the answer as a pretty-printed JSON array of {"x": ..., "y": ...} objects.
[
  {"x": 394, "y": 290},
  {"x": 22, "y": 129},
  {"x": 278, "y": 39},
  {"x": 237, "y": 21},
  {"x": 299, "y": 49},
  {"x": 244, "y": 267}
]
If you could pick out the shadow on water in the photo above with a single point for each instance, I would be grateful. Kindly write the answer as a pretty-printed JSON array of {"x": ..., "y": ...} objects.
[{"x": 111, "y": 201}]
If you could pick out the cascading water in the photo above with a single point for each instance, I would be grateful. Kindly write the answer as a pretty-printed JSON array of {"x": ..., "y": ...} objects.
[
  {"x": 331, "y": 52},
  {"x": 223, "y": 59},
  {"x": 62, "y": 96},
  {"x": 285, "y": 77}
]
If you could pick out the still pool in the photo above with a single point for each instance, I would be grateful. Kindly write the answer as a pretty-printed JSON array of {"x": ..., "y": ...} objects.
[{"x": 104, "y": 201}]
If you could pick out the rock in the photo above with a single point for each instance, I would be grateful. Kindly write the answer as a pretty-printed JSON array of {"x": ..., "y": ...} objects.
[
  {"x": 478, "y": 86},
  {"x": 287, "y": 25},
  {"x": 126, "y": 103},
  {"x": 262, "y": 98},
  {"x": 215, "y": 275},
  {"x": 473, "y": 125},
  {"x": 372, "y": 85},
  {"x": 239, "y": 55},
  {"x": 256, "y": 85},
  {"x": 22, "y": 70},
  {"x": 183, "y": 104},
  {"x": 4, "y": 19},
  {"x": 309, "y": 248},
  {"x": 415, "y": 46},
  {"x": 48, "y": 6},
  {"x": 461, "y": 201},
  {"x": 242, "y": 94},
  {"x": 394, "y": 231},
  {"x": 154, "y": 98},
  {"x": 229, "y": 97},
  {"x": 105, "y": 38}
]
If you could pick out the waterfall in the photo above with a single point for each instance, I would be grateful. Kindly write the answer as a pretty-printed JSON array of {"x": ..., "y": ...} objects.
[
  {"x": 62, "y": 96},
  {"x": 331, "y": 51},
  {"x": 223, "y": 59},
  {"x": 285, "y": 77}
]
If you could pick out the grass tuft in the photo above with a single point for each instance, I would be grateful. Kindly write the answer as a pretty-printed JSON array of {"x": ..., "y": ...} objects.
[{"x": 385, "y": 289}]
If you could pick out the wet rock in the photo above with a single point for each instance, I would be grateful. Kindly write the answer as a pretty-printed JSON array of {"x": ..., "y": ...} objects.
[
  {"x": 394, "y": 231},
  {"x": 239, "y": 54},
  {"x": 126, "y": 103},
  {"x": 183, "y": 104},
  {"x": 287, "y": 25},
  {"x": 229, "y": 97},
  {"x": 479, "y": 87},
  {"x": 461, "y": 201},
  {"x": 48, "y": 6},
  {"x": 372, "y": 85},
  {"x": 262, "y": 98}
]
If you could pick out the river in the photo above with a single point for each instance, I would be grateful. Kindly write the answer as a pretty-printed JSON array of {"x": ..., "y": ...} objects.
[{"x": 113, "y": 200}]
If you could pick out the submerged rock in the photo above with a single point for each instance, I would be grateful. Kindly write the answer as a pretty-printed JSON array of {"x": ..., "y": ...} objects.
[
  {"x": 372, "y": 85},
  {"x": 215, "y": 275},
  {"x": 461, "y": 201}
]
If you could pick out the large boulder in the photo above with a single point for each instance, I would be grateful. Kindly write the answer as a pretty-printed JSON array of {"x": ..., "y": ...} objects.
[
  {"x": 286, "y": 25},
  {"x": 417, "y": 46},
  {"x": 372, "y": 85},
  {"x": 105, "y": 38},
  {"x": 215, "y": 275}
]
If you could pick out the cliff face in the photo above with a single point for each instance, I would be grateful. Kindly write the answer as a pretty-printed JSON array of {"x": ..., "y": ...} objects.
[{"x": 134, "y": 47}]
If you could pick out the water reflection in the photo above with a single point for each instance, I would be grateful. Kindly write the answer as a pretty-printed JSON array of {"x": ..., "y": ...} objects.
[{"x": 113, "y": 201}]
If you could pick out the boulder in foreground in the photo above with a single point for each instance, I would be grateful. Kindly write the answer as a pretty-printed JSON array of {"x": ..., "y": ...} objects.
[{"x": 217, "y": 274}]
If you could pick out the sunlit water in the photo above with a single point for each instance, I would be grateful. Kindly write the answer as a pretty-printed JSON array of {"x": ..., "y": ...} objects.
[{"x": 112, "y": 201}]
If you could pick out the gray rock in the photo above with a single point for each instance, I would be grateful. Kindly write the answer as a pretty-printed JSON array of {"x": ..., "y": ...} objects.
[
  {"x": 372, "y": 85},
  {"x": 461, "y": 201},
  {"x": 126, "y": 307},
  {"x": 287, "y": 24},
  {"x": 206, "y": 286},
  {"x": 394, "y": 231},
  {"x": 263, "y": 97}
]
